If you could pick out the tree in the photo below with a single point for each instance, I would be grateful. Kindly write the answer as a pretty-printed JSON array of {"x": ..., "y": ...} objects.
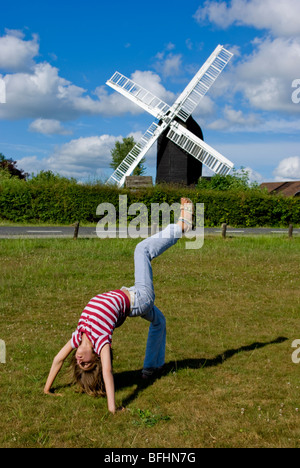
[
  {"x": 10, "y": 166},
  {"x": 120, "y": 151},
  {"x": 49, "y": 176},
  {"x": 238, "y": 180}
]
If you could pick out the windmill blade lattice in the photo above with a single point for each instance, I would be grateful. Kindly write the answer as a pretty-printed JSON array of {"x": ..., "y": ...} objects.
[
  {"x": 138, "y": 95},
  {"x": 199, "y": 149},
  {"x": 137, "y": 153},
  {"x": 190, "y": 98}
]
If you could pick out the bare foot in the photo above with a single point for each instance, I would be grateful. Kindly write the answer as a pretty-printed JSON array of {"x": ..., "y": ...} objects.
[{"x": 187, "y": 214}]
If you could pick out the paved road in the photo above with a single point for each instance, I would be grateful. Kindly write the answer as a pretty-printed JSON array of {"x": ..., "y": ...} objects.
[{"x": 15, "y": 232}]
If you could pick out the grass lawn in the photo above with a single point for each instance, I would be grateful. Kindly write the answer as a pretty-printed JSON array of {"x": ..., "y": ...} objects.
[{"x": 232, "y": 312}]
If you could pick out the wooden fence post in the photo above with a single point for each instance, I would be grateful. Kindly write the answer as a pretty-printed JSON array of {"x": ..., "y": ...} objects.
[
  {"x": 291, "y": 229},
  {"x": 224, "y": 229},
  {"x": 76, "y": 229}
]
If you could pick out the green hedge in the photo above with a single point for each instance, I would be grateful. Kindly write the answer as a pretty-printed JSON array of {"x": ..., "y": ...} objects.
[{"x": 63, "y": 201}]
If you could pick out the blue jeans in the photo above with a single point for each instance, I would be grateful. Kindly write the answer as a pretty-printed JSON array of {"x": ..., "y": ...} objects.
[{"x": 143, "y": 289}]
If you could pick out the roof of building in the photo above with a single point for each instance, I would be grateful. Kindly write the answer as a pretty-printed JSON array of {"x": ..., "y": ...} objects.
[{"x": 289, "y": 189}]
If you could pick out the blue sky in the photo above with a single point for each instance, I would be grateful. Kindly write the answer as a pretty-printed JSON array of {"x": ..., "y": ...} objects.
[{"x": 59, "y": 114}]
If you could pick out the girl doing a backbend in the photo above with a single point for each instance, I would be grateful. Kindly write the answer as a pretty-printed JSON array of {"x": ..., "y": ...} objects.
[{"x": 92, "y": 361}]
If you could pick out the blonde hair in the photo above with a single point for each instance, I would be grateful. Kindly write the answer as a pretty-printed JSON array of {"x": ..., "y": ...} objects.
[{"x": 90, "y": 380}]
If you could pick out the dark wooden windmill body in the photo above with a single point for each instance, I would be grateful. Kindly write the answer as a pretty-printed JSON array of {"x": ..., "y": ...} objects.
[{"x": 174, "y": 165}]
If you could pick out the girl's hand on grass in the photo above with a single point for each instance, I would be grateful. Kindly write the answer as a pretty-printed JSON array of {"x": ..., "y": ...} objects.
[{"x": 52, "y": 393}]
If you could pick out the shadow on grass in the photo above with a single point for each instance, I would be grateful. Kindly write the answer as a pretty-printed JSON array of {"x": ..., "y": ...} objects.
[{"x": 129, "y": 378}]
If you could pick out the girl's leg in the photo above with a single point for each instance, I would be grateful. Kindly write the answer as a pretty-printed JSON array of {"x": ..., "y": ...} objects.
[
  {"x": 143, "y": 290},
  {"x": 151, "y": 248},
  {"x": 156, "y": 342},
  {"x": 145, "y": 252}
]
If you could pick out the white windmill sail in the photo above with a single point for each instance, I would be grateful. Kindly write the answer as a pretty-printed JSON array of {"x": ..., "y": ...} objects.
[
  {"x": 199, "y": 149},
  {"x": 138, "y": 95},
  {"x": 182, "y": 108},
  {"x": 189, "y": 99}
]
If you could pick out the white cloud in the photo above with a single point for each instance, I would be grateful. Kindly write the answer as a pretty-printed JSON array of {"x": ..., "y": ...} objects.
[
  {"x": 287, "y": 126},
  {"x": 235, "y": 120},
  {"x": 83, "y": 155},
  {"x": 266, "y": 76},
  {"x": 263, "y": 78},
  {"x": 37, "y": 91},
  {"x": 167, "y": 63},
  {"x": 81, "y": 158},
  {"x": 33, "y": 164},
  {"x": 204, "y": 110},
  {"x": 262, "y": 81},
  {"x": 48, "y": 127},
  {"x": 16, "y": 54},
  {"x": 288, "y": 169},
  {"x": 282, "y": 17},
  {"x": 42, "y": 93},
  {"x": 168, "y": 66}
]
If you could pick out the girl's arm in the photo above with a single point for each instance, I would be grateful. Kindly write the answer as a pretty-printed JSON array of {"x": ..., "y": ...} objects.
[
  {"x": 108, "y": 377},
  {"x": 57, "y": 365}
]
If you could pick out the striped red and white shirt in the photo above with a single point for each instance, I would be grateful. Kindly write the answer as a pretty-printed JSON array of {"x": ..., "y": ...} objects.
[{"x": 100, "y": 317}]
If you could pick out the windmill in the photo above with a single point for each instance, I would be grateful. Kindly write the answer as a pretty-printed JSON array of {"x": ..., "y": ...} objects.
[{"x": 173, "y": 118}]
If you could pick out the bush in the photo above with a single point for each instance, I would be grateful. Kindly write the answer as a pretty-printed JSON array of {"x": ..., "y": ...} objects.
[{"x": 55, "y": 199}]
